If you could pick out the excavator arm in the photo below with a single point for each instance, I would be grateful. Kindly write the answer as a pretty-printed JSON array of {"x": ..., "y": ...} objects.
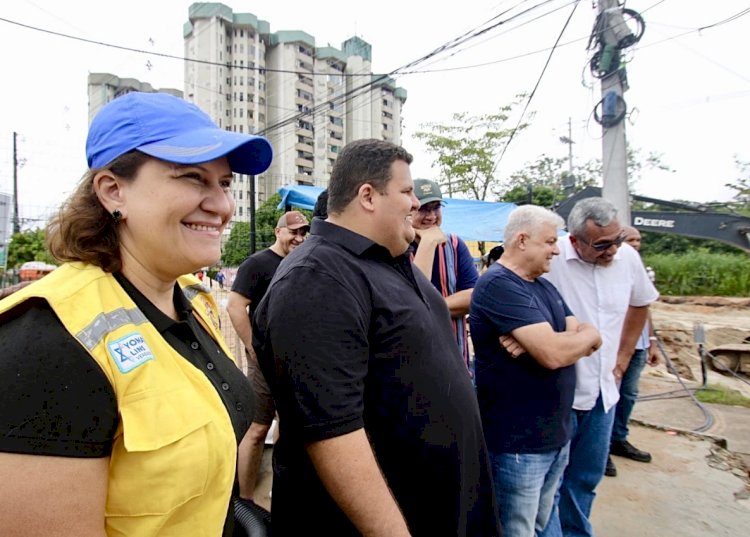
[{"x": 729, "y": 228}]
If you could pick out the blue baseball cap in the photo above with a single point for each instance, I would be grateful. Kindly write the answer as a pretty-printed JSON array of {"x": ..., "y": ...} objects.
[{"x": 171, "y": 129}]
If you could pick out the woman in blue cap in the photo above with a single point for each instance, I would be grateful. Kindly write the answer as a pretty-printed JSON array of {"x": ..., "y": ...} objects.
[{"x": 121, "y": 406}]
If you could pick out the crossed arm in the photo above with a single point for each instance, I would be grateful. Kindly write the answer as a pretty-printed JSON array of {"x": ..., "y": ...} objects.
[{"x": 552, "y": 349}]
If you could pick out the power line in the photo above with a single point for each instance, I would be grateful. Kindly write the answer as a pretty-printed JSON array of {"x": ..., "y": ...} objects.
[
  {"x": 536, "y": 86},
  {"x": 160, "y": 54}
]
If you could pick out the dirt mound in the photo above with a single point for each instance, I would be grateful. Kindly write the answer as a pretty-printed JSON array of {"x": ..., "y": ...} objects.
[{"x": 682, "y": 322}]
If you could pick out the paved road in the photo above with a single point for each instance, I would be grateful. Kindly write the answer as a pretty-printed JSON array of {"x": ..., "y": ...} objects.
[{"x": 689, "y": 488}]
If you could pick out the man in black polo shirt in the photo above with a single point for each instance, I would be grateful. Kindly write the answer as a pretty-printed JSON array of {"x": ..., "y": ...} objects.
[{"x": 380, "y": 428}]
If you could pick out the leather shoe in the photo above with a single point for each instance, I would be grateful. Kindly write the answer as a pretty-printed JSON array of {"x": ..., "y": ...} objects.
[
  {"x": 611, "y": 469},
  {"x": 624, "y": 448}
]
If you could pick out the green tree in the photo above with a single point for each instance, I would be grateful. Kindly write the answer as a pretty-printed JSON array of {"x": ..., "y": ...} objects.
[
  {"x": 550, "y": 181},
  {"x": 28, "y": 246},
  {"x": 741, "y": 187},
  {"x": 541, "y": 195},
  {"x": 468, "y": 149},
  {"x": 236, "y": 249},
  {"x": 266, "y": 218}
]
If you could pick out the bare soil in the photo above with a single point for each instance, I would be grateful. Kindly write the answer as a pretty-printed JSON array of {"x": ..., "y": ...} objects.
[
  {"x": 694, "y": 486},
  {"x": 678, "y": 319}
]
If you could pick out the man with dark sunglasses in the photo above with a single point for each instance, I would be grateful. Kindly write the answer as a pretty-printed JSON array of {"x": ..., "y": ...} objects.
[
  {"x": 605, "y": 285},
  {"x": 444, "y": 259}
]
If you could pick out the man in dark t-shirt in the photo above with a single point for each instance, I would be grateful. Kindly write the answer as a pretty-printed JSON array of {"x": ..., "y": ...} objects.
[
  {"x": 250, "y": 285},
  {"x": 526, "y": 341},
  {"x": 380, "y": 428}
]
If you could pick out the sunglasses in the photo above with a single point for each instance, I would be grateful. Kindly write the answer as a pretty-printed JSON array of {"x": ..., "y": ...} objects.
[{"x": 601, "y": 246}]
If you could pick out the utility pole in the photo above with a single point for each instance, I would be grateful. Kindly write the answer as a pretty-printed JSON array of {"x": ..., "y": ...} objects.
[
  {"x": 614, "y": 153},
  {"x": 16, "y": 223},
  {"x": 568, "y": 182},
  {"x": 570, "y": 147},
  {"x": 253, "y": 241}
]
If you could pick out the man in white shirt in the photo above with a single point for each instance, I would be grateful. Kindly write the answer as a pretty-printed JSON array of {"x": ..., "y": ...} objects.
[{"x": 605, "y": 284}]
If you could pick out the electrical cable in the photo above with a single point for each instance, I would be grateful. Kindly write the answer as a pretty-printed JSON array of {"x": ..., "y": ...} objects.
[
  {"x": 688, "y": 392},
  {"x": 608, "y": 121},
  {"x": 536, "y": 86},
  {"x": 721, "y": 367}
]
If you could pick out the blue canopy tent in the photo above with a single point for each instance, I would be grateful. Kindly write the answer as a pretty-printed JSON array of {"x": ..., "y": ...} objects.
[{"x": 471, "y": 220}]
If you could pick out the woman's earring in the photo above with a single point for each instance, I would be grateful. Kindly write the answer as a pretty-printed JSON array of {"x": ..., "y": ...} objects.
[{"x": 116, "y": 216}]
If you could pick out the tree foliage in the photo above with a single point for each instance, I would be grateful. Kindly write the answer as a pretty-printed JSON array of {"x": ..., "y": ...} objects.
[
  {"x": 28, "y": 246},
  {"x": 741, "y": 187},
  {"x": 468, "y": 149},
  {"x": 237, "y": 247},
  {"x": 551, "y": 181}
]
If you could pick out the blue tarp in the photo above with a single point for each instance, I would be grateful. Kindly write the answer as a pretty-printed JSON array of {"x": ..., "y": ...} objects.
[{"x": 471, "y": 220}]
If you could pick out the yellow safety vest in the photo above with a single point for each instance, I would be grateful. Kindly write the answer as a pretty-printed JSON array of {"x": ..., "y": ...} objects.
[{"x": 174, "y": 453}]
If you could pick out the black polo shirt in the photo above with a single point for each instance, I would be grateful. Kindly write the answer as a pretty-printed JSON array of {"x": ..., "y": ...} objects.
[
  {"x": 56, "y": 400},
  {"x": 350, "y": 337}
]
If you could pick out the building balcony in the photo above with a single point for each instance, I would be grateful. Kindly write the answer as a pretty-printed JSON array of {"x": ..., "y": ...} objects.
[
  {"x": 305, "y": 163},
  {"x": 300, "y": 146},
  {"x": 303, "y": 179}
]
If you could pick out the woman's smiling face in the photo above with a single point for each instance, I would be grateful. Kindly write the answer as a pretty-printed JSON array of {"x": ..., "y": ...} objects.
[{"x": 175, "y": 215}]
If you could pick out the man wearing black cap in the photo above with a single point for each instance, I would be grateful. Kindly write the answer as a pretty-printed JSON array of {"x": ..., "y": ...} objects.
[
  {"x": 444, "y": 258},
  {"x": 250, "y": 285}
]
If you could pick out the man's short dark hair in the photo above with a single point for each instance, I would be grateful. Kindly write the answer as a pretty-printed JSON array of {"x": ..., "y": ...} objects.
[
  {"x": 360, "y": 162},
  {"x": 321, "y": 206}
]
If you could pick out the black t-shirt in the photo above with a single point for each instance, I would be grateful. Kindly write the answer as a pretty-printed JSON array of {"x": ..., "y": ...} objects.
[
  {"x": 350, "y": 337},
  {"x": 254, "y": 276},
  {"x": 56, "y": 400}
]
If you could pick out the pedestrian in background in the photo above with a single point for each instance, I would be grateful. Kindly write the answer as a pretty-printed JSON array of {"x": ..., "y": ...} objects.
[
  {"x": 646, "y": 352},
  {"x": 445, "y": 259},
  {"x": 250, "y": 285}
]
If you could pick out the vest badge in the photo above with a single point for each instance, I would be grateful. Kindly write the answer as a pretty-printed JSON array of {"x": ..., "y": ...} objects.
[{"x": 129, "y": 352}]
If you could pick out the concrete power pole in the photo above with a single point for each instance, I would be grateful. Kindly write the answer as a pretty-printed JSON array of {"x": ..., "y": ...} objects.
[
  {"x": 16, "y": 223},
  {"x": 614, "y": 152},
  {"x": 569, "y": 180}
]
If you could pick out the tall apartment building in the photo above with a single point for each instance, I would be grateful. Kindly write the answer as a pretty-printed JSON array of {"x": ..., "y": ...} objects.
[
  {"x": 308, "y": 100},
  {"x": 103, "y": 87}
]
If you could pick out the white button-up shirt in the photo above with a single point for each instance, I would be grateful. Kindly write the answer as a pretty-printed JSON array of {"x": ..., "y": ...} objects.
[{"x": 600, "y": 295}]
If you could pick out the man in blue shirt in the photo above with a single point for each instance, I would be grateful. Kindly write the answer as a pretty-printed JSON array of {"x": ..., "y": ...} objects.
[
  {"x": 526, "y": 341},
  {"x": 444, "y": 258}
]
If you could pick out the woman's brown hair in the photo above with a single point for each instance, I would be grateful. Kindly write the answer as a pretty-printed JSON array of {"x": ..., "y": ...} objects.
[{"x": 83, "y": 230}]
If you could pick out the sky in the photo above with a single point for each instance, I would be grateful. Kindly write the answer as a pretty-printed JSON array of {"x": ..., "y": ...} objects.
[{"x": 688, "y": 100}]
